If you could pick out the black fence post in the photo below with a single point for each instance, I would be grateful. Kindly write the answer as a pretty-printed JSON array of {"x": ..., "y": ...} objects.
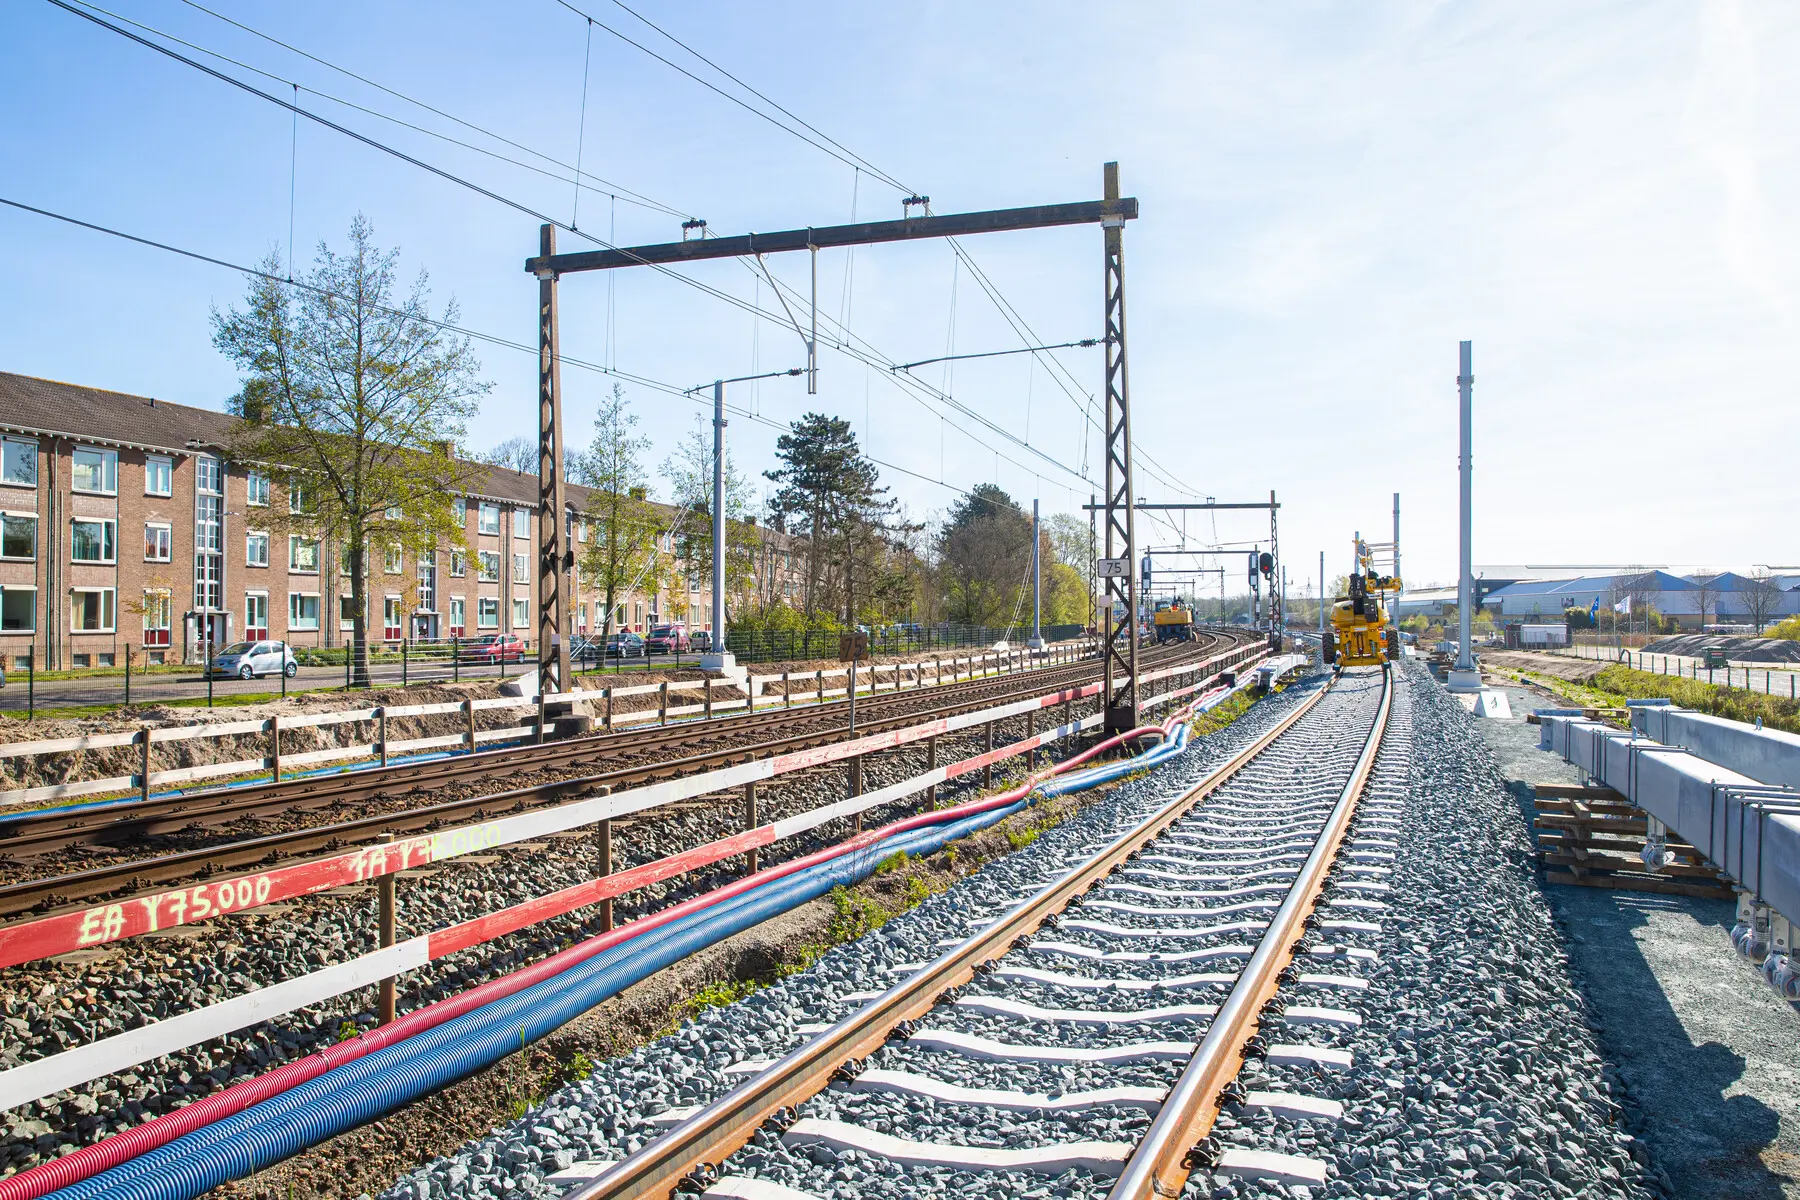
[
  {"x": 209, "y": 674},
  {"x": 349, "y": 646},
  {"x": 127, "y": 672},
  {"x": 285, "y": 651},
  {"x": 31, "y": 684},
  {"x": 403, "y": 642},
  {"x": 456, "y": 660}
]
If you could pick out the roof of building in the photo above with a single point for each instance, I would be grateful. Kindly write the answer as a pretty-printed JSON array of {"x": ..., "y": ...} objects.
[{"x": 48, "y": 406}]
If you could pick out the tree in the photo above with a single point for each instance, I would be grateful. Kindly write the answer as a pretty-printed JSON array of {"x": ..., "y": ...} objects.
[
  {"x": 832, "y": 495},
  {"x": 622, "y": 526},
  {"x": 689, "y": 471},
  {"x": 1706, "y": 593},
  {"x": 1066, "y": 600},
  {"x": 353, "y": 399},
  {"x": 1762, "y": 597},
  {"x": 984, "y": 549},
  {"x": 515, "y": 454},
  {"x": 1071, "y": 540}
]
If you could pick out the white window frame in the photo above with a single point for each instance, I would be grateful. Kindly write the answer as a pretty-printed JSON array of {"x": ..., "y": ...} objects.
[
  {"x": 109, "y": 471},
  {"x": 459, "y": 510},
  {"x": 167, "y": 465},
  {"x": 256, "y": 489},
  {"x": 109, "y": 609},
  {"x": 482, "y": 559},
  {"x": 521, "y": 524},
  {"x": 459, "y": 564},
  {"x": 295, "y": 620},
  {"x": 16, "y": 587},
  {"x": 521, "y": 568},
  {"x": 6, "y": 445},
  {"x": 158, "y": 602},
  {"x": 521, "y": 613},
  {"x": 168, "y": 541},
  {"x": 487, "y": 612},
  {"x": 346, "y": 624},
  {"x": 458, "y": 619},
  {"x": 295, "y": 541},
  {"x": 108, "y": 540},
  {"x": 487, "y": 519},
  {"x": 251, "y": 537},
  {"x": 20, "y": 516},
  {"x": 393, "y": 559},
  {"x": 251, "y": 625},
  {"x": 297, "y": 497}
]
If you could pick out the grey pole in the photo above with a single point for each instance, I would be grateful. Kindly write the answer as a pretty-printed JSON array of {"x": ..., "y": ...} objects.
[
  {"x": 718, "y": 539},
  {"x": 1322, "y": 600},
  {"x": 1397, "y": 574},
  {"x": 1037, "y": 583},
  {"x": 1464, "y": 676}
]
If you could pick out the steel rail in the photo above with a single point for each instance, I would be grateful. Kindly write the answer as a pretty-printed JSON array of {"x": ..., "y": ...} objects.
[
  {"x": 47, "y": 894},
  {"x": 23, "y": 832},
  {"x": 711, "y": 1135},
  {"x": 1160, "y": 1165}
]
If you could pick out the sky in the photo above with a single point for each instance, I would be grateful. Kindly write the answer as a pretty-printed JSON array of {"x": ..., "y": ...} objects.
[{"x": 1332, "y": 196}]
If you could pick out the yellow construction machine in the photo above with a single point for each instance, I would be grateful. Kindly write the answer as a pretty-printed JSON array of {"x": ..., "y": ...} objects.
[{"x": 1360, "y": 635}]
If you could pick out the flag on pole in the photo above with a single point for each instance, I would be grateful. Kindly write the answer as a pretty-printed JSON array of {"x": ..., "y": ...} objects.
[
  {"x": 1623, "y": 606},
  {"x": 1594, "y": 611}
]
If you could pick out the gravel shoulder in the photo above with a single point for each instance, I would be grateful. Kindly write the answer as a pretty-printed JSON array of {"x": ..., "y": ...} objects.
[{"x": 1708, "y": 1055}]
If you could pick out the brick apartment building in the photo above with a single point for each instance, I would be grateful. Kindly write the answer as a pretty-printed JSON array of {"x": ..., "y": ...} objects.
[{"x": 124, "y": 529}]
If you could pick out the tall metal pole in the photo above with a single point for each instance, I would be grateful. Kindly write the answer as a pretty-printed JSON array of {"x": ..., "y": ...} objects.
[
  {"x": 718, "y": 530},
  {"x": 1397, "y": 574},
  {"x": 1323, "y": 601},
  {"x": 1037, "y": 582},
  {"x": 1121, "y": 656},
  {"x": 1464, "y": 676},
  {"x": 553, "y": 648}
]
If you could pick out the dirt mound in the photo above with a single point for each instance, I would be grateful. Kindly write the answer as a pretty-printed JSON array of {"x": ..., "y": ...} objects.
[{"x": 1737, "y": 649}]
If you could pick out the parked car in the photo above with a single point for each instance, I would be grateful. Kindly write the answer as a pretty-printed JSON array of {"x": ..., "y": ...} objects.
[
  {"x": 494, "y": 647},
  {"x": 700, "y": 640},
  {"x": 667, "y": 639},
  {"x": 624, "y": 645},
  {"x": 247, "y": 660}
]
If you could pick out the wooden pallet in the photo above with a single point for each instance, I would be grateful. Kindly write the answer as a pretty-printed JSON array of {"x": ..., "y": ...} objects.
[{"x": 1592, "y": 836}]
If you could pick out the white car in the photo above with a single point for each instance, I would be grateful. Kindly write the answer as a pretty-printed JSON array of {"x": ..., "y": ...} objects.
[{"x": 247, "y": 660}]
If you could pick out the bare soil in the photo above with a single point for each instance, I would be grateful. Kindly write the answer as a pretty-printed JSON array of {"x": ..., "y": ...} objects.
[{"x": 1575, "y": 670}]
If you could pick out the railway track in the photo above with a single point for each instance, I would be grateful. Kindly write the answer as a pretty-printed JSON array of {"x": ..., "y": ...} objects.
[
  {"x": 1202, "y": 935},
  {"x": 708, "y": 745}
]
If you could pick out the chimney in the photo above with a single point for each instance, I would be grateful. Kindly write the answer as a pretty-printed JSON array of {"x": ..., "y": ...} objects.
[{"x": 443, "y": 447}]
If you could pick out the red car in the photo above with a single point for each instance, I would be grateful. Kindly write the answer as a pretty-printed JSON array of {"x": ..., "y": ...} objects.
[{"x": 494, "y": 647}]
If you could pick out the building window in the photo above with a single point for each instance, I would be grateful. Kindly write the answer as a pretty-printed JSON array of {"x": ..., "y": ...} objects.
[
  {"x": 298, "y": 500},
  {"x": 487, "y": 612},
  {"x": 489, "y": 562},
  {"x": 159, "y": 476},
  {"x": 209, "y": 535},
  {"x": 581, "y": 616},
  {"x": 390, "y": 559},
  {"x": 256, "y": 490},
  {"x": 159, "y": 606},
  {"x": 208, "y": 477},
  {"x": 303, "y": 611},
  {"x": 256, "y": 548},
  {"x": 391, "y": 628},
  {"x": 522, "y": 523},
  {"x": 459, "y": 511},
  {"x": 303, "y": 555},
  {"x": 91, "y": 610},
  {"x": 256, "y": 615},
  {"x": 18, "y": 535},
  {"x": 94, "y": 541},
  {"x": 581, "y": 531},
  {"x": 459, "y": 564},
  {"x": 456, "y": 616},
  {"x": 159, "y": 542},
  {"x": 489, "y": 518},
  {"x": 18, "y": 609},
  {"x": 521, "y": 613},
  {"x": 18, "y": 462},
  {"x": 521, "y": 568},
  {"x": 95, "y": 472},
  {"x": 346, "y": 613}
]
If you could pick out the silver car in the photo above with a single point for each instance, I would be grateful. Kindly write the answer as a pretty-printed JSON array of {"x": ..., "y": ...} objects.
[{"x": 246, "y": 660}]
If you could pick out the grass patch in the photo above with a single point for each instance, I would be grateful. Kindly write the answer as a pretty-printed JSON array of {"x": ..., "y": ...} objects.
[{"x": 1616, "y": 684}]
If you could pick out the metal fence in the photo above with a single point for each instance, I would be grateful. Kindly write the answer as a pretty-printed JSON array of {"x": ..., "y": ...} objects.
[{"x": 761, "y": 645}]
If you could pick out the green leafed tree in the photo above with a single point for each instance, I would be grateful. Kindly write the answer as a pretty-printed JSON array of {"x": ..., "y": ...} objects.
[
  {"x": 831, "y": 494},
  {"x": 621, "y": 552},
  {"x": 689, "y": 474},
  {"x": 354, "y": 398},
  {"x": 984, "y": 557}
]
